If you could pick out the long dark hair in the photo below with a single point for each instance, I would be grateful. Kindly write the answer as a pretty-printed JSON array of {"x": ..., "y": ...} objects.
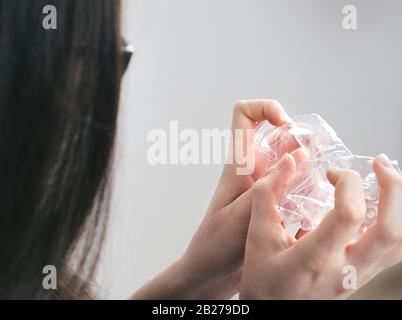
[{"x": 59, "y": 92}]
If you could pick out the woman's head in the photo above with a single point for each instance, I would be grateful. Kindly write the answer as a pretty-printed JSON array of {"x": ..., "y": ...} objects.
[{"x": 59, "y": 93}]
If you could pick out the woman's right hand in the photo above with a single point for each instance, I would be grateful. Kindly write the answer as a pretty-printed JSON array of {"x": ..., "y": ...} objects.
[{"x": 277, "y": 266}]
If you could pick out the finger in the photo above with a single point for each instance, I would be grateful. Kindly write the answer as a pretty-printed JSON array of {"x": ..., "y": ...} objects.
[
  {"x": 248, "y": 112},
  {"x": 246, "y": 115},
  {"x": 300, "y": 155},
  {"x": 266, "y": 231},
  {"x": 242, "y": 205},
  {"x": 341, "y": 225},
  {"x": 390, "y": 204},
  {"x": 239, "y": 174},
  {"x": 285, "y": 143},
  {"x": 386, "y": 233}
]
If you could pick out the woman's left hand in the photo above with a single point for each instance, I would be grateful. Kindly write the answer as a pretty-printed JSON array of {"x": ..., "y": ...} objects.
[
  {"x": 216, "y": 251},
  {"x": 211, "y": 266}
]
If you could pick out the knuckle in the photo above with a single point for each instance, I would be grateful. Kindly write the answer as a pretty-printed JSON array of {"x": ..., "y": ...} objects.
[
  {"x": 352, "y": 175},
  {"x": 395, "y": 182},
  {"x": 313, "y": 265},
  {"x": 392, "y": 185},
  {"x": 389, "y": 235},
  {"x": 259, "y": 187},
  {"x": 351, "y": 212},
  {"x": 274, "y": 103},
  {"x": 262, "y": 189},
  {"x": 239, "y": 105},
  {"x": 391, "y": 181},
  {"x": 339, "y": 289}
]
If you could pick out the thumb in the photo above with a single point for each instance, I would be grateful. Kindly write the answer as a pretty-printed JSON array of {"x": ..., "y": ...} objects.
[
  {"x": 390, "y": 206},
  {"x": 266, "y": 232},
  {"x": 386, "y": 172}
]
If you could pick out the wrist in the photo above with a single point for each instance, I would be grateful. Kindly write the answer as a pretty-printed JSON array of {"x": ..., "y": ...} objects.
[
  {"x": 178, "y": 282},
  {"x": 205, "y": 284},
  {"x": 192, "y": 279}
]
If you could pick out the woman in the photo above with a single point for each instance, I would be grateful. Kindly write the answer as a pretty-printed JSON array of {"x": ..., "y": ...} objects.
[{"x": 59, "y": 95}]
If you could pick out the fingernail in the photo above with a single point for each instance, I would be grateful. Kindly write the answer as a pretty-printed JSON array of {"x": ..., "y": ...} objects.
[
  {"x": 281, "y": 164},
  {"x": 385, "y": 161}
]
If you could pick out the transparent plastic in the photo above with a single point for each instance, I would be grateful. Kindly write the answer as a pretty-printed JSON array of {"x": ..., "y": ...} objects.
[{"x": 311, "y": 196}]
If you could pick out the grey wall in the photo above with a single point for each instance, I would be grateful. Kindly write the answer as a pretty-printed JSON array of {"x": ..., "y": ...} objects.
[{"x": 195, "y": 59}]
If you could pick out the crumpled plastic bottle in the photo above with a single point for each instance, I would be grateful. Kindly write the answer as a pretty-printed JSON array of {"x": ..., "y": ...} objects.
[{"x": 311, "y": 196}]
